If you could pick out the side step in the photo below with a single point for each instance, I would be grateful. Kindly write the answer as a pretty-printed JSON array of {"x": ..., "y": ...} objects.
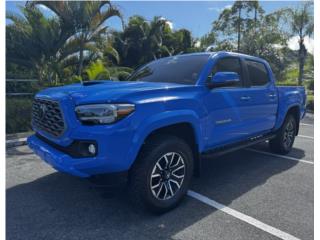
[{"x": 236, "y": 146}]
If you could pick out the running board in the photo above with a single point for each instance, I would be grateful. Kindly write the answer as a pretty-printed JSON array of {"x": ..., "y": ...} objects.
[{"x": 236, "y": 146}]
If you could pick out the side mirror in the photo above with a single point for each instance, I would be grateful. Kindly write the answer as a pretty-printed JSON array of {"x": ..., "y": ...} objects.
[{"x": 224, "y": 79}]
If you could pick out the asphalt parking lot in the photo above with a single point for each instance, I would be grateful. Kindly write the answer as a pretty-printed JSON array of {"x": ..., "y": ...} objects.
[{"x": 248, "y": 194}]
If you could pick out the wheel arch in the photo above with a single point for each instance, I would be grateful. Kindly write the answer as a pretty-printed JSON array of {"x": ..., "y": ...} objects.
[
  {"x": 183, "y": 125},
  {"x": 295, "y": 111}
]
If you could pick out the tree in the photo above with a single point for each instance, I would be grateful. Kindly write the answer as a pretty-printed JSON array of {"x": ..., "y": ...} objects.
[
  {"x": 141, "y": 41},
  {"x": 260, "y": 34},
  {"x": 53, "y": 46},
  {"x": 208, "y": 40},
  {"x": 177, "y": 42},
  {"x": 234, "y": 21},
  {"x": 301, "y": 22},
  {"x": 258, "y": 13},
  {"x": 33, "y": 41},
  {"x": 86, "y": 21},
  {"x": 270, "y": 43}
]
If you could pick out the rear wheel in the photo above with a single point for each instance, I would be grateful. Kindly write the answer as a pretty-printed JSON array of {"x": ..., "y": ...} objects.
[
  {"x": 161, "y": 176},
  {"x": 284, "y": 140}
]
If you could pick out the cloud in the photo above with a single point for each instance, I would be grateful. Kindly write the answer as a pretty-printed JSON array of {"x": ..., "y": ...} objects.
[
  {"x": 44, "y": 8},
  {"x": 197, "y": 43},
  {"x": 294, "y": 45},
  {"x": 217, "y": 9},
  {"x": 214, "y": 9},
  {"x": 169, "y": 23}
]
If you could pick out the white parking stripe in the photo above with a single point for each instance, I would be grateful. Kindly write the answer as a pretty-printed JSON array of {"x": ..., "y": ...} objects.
[
  {"x": 252, "y": 221},
  {"x": 305, "y": 124},
  {"x": 16, "y": 140},
  {"x": 304, "y": 136},
  {"x": 280, "y": 156}
]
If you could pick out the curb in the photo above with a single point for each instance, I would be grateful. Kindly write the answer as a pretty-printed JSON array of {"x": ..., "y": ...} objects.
[{"x": 16, "y": 142}]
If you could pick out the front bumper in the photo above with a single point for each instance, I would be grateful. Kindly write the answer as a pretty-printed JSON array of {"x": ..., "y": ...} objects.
[
  {"x": 80, "y": 167},
  {"x": 58, "y": 160}
]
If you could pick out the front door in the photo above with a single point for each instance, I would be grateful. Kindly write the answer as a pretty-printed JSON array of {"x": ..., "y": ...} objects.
[{"x": 226, "y": 107}]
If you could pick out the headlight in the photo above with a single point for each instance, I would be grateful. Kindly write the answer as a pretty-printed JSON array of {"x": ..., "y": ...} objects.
[{"x": 103, "y": 113}]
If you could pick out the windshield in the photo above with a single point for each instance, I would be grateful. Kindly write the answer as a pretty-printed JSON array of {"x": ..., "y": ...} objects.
[{"x": 180, "y": 69}]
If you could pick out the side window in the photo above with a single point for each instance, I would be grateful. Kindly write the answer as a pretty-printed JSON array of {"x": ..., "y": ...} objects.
[
  {"x": 258, "y": 73},
  {"x": 228, "y": 64}
]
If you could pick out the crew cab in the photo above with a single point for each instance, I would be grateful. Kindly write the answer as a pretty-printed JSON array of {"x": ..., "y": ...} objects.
[{"x": 155, "y": 127}]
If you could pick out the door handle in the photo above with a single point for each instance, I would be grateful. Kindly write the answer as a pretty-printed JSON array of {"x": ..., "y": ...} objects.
[
  {"x": 272, "y": 95},
  {"x": 245, "y": 98}
]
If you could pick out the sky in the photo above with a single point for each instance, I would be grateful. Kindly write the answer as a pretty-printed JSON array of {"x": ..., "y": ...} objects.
[{"x": 196, "y": 16}]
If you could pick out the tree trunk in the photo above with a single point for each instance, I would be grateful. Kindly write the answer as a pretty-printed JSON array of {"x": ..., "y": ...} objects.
[
  {"x": 80, "y": 61},
  {"x": 239, "y": 29},
  {"x": 82, "y": 41},
  {"x": 255, "y": 19},
  {"x": 302, "y": 58},
  {"x": 154, "y": 56}
]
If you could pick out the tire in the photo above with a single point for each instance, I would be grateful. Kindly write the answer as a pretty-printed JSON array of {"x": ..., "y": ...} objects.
[
  {"x": 285, "y": 137},
  {"x": 154, "y": 187}
]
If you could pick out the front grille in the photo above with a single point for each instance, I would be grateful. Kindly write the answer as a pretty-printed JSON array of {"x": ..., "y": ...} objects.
[{"x": 47, "y": 116}]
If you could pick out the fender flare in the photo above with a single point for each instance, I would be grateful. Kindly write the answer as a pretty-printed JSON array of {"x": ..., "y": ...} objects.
[
  {"x": 282, "y": 115},
  {"x": 160, "y": 120}
]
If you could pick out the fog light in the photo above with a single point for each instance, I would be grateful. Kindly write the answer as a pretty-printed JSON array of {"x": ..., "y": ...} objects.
[{"x": 92, "y": 149}]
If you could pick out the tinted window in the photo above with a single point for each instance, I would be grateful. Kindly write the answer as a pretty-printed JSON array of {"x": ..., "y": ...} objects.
[
  {"x": 257, "y": 73},
  {"x": 228, "y": 65},
  {"x": 177, "y": 69}
]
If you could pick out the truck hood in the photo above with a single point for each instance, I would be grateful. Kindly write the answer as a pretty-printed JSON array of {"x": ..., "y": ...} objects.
[{"x": 107, "y": 91}]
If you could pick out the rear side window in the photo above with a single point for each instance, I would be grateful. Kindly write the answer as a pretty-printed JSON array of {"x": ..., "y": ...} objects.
[
  {"x": 229, "y": 64},
  {"x": 258, "y": 73}
]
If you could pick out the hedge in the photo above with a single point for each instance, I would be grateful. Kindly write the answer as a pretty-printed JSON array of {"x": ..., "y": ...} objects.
[{"x": 18, "y": 114}]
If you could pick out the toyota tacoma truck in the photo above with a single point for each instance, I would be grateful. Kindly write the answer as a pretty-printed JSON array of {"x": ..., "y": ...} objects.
[{"x": 155, "y": 127}]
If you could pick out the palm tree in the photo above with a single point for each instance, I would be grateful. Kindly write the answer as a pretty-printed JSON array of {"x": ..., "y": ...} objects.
[
  {"x": 301, "y": 21},
  {"x": 141, "y": 41},
  {"x": 86, "y": 21},
  {"x": 33, "y": 41}
]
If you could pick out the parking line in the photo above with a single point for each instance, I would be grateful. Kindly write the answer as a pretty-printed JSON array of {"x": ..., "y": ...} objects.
[
  {"x": 304, "y": 136},
  {"x": 252, "y": 221},
  {"x": 305, "y": 124},
  {"x": 280, "y": 156}
]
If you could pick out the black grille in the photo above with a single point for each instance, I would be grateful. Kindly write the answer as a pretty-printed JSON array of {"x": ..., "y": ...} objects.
[{"x": 47, "y": 116}]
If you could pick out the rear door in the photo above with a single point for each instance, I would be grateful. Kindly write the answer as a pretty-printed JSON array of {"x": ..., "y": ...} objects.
[{"x": 261, "y": 97}]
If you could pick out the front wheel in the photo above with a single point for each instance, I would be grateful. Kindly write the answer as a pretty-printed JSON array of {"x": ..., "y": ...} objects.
[
  {"x": 160, "y": 178},
  {"x": 284, "y": 140}
]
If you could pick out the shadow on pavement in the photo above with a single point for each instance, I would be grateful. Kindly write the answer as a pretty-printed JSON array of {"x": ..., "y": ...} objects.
[
  {"x": 59, "y": 206},
  {"x": 295, "y": 152},
  {"x": 230, "y": 176},
  {"x": 18, "y": 151}
]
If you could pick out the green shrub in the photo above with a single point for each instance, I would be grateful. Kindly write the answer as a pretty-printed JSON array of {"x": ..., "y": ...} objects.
[
  {"x": 286, "y": 83},
  {"x": 311, "y": 85},
  {"x": 96, "y": 71},
  {"x": 310, "y": 102},
  {"x": 18, "y": 114}
]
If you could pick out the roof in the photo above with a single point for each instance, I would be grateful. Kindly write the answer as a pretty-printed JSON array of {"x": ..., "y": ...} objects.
[
  {"x": 212, "y": 54},
  {"x": 219, "y": 52}
]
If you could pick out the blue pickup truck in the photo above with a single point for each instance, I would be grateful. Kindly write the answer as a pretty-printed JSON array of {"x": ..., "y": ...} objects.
[{"x": 155, "y": 127}]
